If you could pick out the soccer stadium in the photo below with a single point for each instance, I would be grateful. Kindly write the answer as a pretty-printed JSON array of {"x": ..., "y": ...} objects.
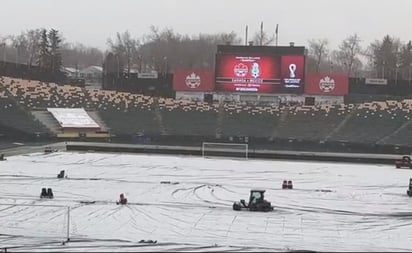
[{"x": 257, "y": 153}]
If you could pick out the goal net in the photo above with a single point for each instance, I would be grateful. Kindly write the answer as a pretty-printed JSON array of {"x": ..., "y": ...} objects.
[
  {"x": 34, "y": 222},
  {"x": 212, "y": 149}
]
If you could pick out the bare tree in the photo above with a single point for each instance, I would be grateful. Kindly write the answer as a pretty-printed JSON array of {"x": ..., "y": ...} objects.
[
  {"x": 406, "y": 61},
  {"x": 348, "y": 54},
  {"x": 44, "y": 53},
  {"x": 56, "y": 60},
  {"x": 19, "y": 43},
  {"x": 26, "y": 45},
  {"x": 33, "y": 42},
  {"x": 80, "y": 56},
  {"x": 126, "y": 47},
  {"x": 385, "y": 57},
  {"x": 318, "y": 50},
  {"x": 263, "y": 39},
  {"x": 3, "y": 46},
  {"x": 165, "y": 49}
]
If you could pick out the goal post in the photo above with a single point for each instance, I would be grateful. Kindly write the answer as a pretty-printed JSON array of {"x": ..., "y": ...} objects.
[
  {"x": 214, "y": 149},
  {"x": 35, "y": 221}
]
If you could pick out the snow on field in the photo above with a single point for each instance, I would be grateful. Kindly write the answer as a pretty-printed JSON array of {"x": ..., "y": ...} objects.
[{"x": 184, "y": 203}]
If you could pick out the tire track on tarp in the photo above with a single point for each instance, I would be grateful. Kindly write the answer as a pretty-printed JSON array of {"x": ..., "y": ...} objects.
[
  {"x": 345, "y": 212},
  {"x": 135, "y": 223}
]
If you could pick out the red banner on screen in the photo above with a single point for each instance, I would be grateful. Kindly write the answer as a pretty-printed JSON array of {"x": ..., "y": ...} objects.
[
  {"x": 237, "y": 73},
  {"x": 328, "y": 85},
  {"x": 257, "y": 73},
  {"x": 193, "y": 80}
]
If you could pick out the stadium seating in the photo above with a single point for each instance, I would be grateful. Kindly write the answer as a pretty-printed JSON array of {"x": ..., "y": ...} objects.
[
  {"x": 125, "y": 113},
  {"x": 182, "y": 117},
  {"x": 386, "y": 121},
  {"x": 372, "y": 122},
  {"x": 13, "y": 116},
  {"x": 310, "y": 122},
  {"x": 402, "y": 135},
  {"x": 249, "y": 120}
]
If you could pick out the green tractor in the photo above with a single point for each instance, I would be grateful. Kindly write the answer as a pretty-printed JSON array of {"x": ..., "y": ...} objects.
[{"x": 257, "y": 202}]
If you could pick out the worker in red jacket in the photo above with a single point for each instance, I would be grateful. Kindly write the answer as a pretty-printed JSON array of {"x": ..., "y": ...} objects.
[{"x": 122, "y": 200}]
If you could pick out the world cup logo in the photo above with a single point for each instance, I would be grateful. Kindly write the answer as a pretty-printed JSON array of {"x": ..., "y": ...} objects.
[{"x": 292, "y": 69}]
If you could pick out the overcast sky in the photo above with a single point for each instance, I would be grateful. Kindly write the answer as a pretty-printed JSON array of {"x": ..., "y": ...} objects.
[{"x": 91, "y": 22}]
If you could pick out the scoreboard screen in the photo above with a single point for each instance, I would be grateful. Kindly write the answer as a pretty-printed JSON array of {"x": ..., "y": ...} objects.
[{"x": 261, "y": 73}]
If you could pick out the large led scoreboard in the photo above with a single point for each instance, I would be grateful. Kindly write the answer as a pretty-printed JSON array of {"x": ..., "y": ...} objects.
[{"x": 260, "y": 69}]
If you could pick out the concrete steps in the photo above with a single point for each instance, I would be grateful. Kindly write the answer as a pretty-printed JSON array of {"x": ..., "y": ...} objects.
[{"x": 47, "y": 119}]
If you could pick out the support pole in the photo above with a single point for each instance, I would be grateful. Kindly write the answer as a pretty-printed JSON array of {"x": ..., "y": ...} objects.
[{"x": 68, "y": 224}]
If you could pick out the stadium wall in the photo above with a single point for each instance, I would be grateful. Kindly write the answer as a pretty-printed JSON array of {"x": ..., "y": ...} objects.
[
  {"x": 187, "y": 95},
  {"x": 252, "y": 153},
  {"x": 267, "y": 144},
  {"x": 259, "y": 98}
]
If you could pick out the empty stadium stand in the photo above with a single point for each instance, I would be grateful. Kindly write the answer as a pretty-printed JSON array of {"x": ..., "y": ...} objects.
[
  {"x": 249, "y": 120},
  {"x": 24, "y": 103},
  {"x": 34, "y": 97},
  {"x": 373, "y": 121},
  {"x": 13, "y": 116},
  {"x": 311, "y": 122},
  {"x": 181, "y": 117}
]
